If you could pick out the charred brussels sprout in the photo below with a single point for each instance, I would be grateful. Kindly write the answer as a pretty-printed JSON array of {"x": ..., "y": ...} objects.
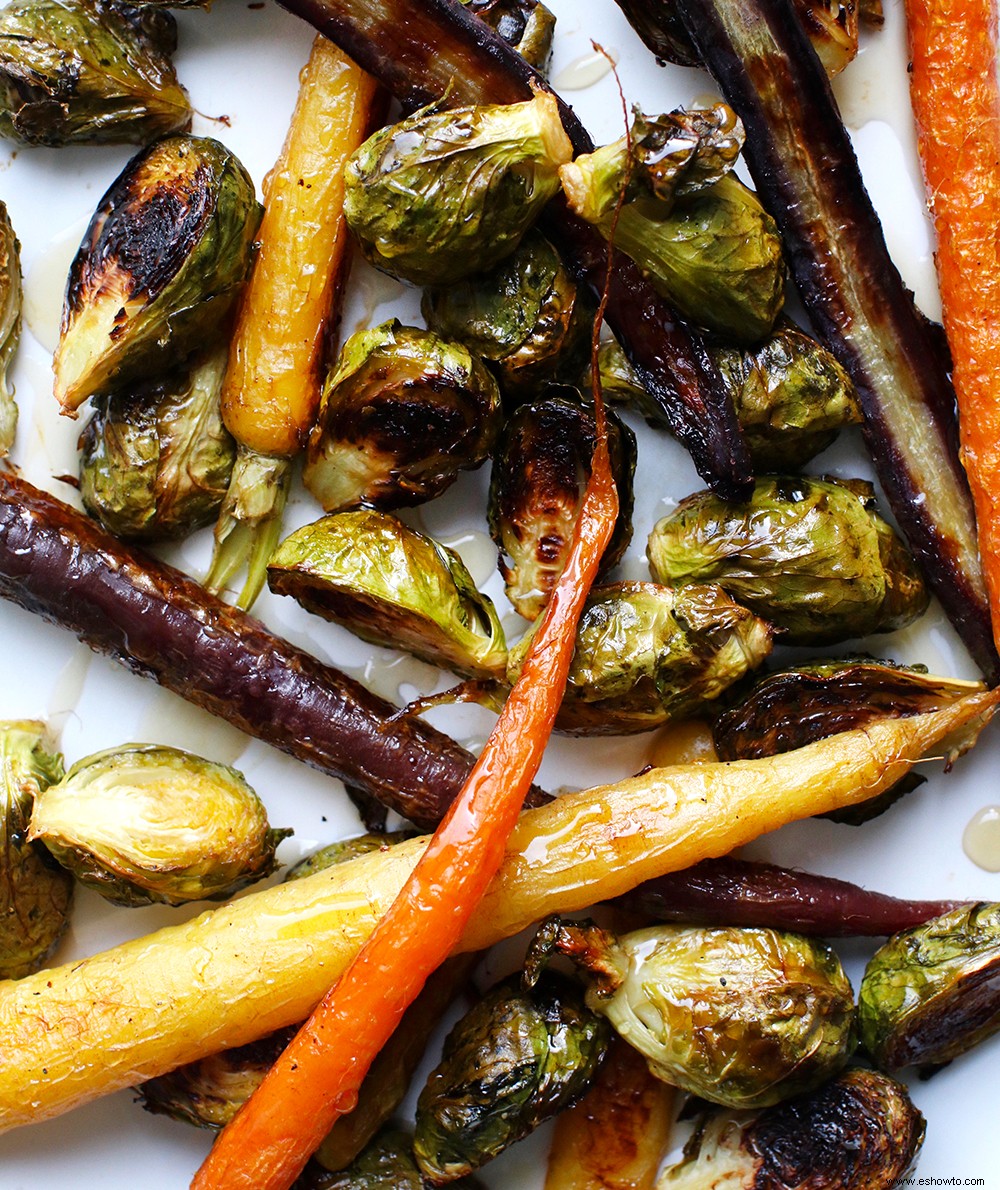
[
  {"x": 716, "y": 255},
  {"x": 741, "y": 1017},
  {"x": 386, "y": 1164},
  {"x": 646, "y": 654},
  {"x": 540, "y": 472},
  {"x": 10, "y": 325},
  {"x": 392, "y": 586},
  {"x": 810, "y": 555},
  {"x": 527, "y": 316},
  {"x": 403, "y": 412},
  {"x": 156, "y": 459},
  {"x": 88, "y": 70},
  {"x": 515, "y": 1060},
  {"x": 527, "y": 25},
  {"x": 142, "y": 824},
  {"x": 933, "y": 992},
  {"x": 860, "y": 1131},
  {"x": 35, "y": 895},
  {"x": 160, "y": 266},
  {"x": 791, "y": 397},
  {"x": 791, "y": 708},
  {"x": 663, "y": 157},
  {"x": 446, "y": 194}
]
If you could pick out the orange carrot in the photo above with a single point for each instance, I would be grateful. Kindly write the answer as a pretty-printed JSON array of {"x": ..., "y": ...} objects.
[
  {"x": 317, "y": 1077},
  {"x": 956, "y": 102}
]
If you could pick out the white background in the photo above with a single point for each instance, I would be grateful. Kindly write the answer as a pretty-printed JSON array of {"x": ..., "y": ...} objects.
[{"x": 241, "y": 62}]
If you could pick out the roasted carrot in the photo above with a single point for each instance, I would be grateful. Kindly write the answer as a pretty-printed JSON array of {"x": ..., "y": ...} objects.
[
  {"x": 316, "y": 1080},
  {"x": 956, "y": 103},
  {"x": 289, "y": 307}
]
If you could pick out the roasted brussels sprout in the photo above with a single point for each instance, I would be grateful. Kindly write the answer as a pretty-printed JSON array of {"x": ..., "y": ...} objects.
[
  {"x": 540, "y": 470},
  {"x": 716, "y": 255},
  {"x": 514, "y": 1060},
  {"x": 791, "y": 396},
  {"x": 646, "y": 654},
  {"x": 35, "y": 894},
  {"x": 88, "y": 70},
  {"x": 526, "y": 316},
  {"x": 526, "y": 24},
  {"x": 445, "y": 194},
  {"x": 403, "y": 412},
  {"x": 142, "y": 823},
  {"x": 159, "y": 268},
  {"x": 393, "y": 586},
  {"x": 344, "y": 850},
  {"x": 386, "y": 1164},
  {"x": 156, "y": 459},
  {"x": 663, "y": 157},
  {"x": 10, "y": 325},
  {"x": 741, "y": 1017},
  {"x": 794, "y": 707},
  {"x": 810, "y": 555},
  {"x": 933, "y": 992},
  {"x": 859, "y": 1131}
]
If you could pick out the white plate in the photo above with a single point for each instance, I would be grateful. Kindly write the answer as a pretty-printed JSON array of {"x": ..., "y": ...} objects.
[{"x": 241, "y": 61}]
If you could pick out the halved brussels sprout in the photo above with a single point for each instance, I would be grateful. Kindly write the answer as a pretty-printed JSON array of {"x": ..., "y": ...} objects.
[
  {"x": 663, "y": 157},
  {"x": 540, "y": 471},
  {"x": 527, "y": 316},
  {"x": 791, "y": 396},
  {"x": 860, "y": 1131},
  {"x": 791, "y": 708},
  {"x": 514, "y": 1060},
  {"x": 160, "y": 266},
  {"x": 88, "y": 70},
  {"x": 716, "y": 255},
  {"x": 156, "y": 459},
  {"x": 810, "y": 555},
  {"x": 445, "y": 194},
  {"x": 933, "y": 992},
  {"x": 741, "y": 1017},
  {"x": 35, "y": 894},
  {"x": 646, "y": 654},
  {"x": 386, "y": 1164},
  {"x": 142, "y": 823},
  {"x": 10, "y": 325},
  {"x": 526, "y": 24},
  {"x": 392, "y": 586},
  {"x": 403, "y": 412}
]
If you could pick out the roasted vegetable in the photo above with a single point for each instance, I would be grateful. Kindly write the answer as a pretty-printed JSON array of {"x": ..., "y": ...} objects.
[
  {"x": 142, "y": 823},
  {"x": 445, "y": 194},
  {"x": 386, "y": 1164},
  {"x": 156, "y": 458},
  {"x": 10, "y": 326},
  {"x": 663, "y": 157},
  {"x": 858, "y": 1132},
  {"x": 810, "y": 555},
  {"x": 733, "y": 892},
  {"x": 392, "y": 586},
  {"x": 744, "y": 1018},
  {"x": 88, "y": 70},
  {"x": 403, "y": 412},
  {"x": 540, "y": 468},
  {"x": 787, "y": 709},
  {"x": 158, "y": 622},
  {"x": 510, "y": 1063},
  {"x": 263, "y": 960},
  {"x": 791, "y": 396},
  {"x": 526, "y": 316},
  {"x": 160, "y": 266},
  {"x": 646, "y": 654},
  {"x": 35, "y": 894},
  {"x": 931, "y": 993},
  {"x": 807, "y": 175},
  {"x": 526, "y": 24},
  {"x": 425, "y": 51},
  {"x": 715, "y": 254}
]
